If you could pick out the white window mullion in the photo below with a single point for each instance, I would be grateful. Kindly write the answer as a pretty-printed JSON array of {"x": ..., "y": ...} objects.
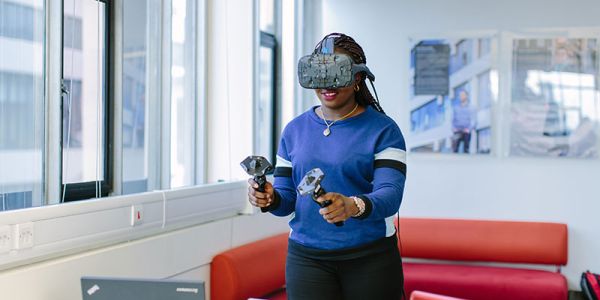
[
  {"x": 53, "y": 96},
  {"x": 116, "y": 94},
  {"x": 165, "y": 112},
  {"x": 201, "y": 124},
  {"x": 154, "y": 87}
]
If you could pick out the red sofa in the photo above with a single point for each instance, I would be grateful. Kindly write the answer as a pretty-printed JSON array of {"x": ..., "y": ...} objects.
[
  {"x": 451, "y": 248},
  {"x": 254, "y": 270},
  {"x": 442, "y": 256}
]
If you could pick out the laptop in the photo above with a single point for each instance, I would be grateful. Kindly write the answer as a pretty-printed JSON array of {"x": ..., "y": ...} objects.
[{"x": 109, "y": 288}]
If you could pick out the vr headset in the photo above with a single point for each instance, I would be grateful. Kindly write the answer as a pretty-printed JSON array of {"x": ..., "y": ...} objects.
[{"x": 328, "y": 70}]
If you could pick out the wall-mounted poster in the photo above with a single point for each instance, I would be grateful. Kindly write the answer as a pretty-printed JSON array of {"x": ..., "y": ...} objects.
[
  {"x": 458, "y": 121},
  {"x": 555, "y": 104}
]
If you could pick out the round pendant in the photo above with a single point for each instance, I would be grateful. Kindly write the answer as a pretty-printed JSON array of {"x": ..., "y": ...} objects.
[{"x": 326, "y": 132}]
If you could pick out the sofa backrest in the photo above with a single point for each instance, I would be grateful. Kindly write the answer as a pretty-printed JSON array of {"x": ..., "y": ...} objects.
[
  {"x": 488, "y": 241},
  {"x": 251, "y": 270}
]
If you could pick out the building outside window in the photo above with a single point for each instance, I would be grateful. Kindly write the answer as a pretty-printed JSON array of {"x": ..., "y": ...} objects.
[
  {"x": 85, "y": 107},
  {"x": 266, "y": 127},
  {"x": 21, "y": 104}
]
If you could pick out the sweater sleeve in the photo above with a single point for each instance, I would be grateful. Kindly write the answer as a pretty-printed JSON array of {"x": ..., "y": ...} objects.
[
  {"x": 285, "y": 191},
  {"x": 389, "y": 175}
]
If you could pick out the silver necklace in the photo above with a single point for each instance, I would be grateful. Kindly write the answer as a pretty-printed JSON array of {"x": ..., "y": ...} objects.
[{"x": 327, "y": 130}]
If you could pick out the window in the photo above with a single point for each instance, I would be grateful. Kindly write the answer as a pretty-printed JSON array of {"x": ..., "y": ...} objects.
[
  {"x": 85, "y": 140},
  {"x": 484, "y": 46},
  {"x": 484, "y": 90},
  {"x": 21, "y": 104},
  {"x": 22, "y": 22},
  {"x": 484, "y": 141},
  {"x": 140, "y": 96},
  {"x": 430, "y": 115},
  {"x": 462, "y": 56},
  {"x": 266, "y": 128},
  {"x": 267, "y": 16},
  {"x": 155, "y": 113},
  {"x": 183, "y": 93},
  {"x": 265, "y": 133}
]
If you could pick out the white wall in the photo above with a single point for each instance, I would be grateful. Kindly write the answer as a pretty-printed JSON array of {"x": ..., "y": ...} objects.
[
  {"x": 182, "y": 254},
  {"x": 497, "y": 187}
]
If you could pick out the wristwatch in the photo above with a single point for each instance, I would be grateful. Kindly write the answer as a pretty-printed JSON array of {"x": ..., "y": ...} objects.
[{"x": 361, "y": 206}]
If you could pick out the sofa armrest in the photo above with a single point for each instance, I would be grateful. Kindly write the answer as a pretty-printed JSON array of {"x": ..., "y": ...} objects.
[{"x": 251, "y": 270}]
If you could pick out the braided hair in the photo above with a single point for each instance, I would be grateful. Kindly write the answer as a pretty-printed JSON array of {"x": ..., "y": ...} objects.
[{"x": 349, "y": 46}]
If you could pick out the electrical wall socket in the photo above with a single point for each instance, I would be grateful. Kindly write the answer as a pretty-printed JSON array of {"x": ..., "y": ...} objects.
[
  {"x": 23, "y": 235},
  {"x": 137, "y": 214},
  {"x": 6, "y": 238}
]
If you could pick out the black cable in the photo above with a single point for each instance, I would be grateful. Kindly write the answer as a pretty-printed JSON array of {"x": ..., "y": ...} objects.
[
  {"x": 400, "y": 245},
  {"x": 376, "y": 102}
]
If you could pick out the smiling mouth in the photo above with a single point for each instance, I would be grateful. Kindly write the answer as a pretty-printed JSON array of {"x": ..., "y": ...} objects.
[{"x": 329, "y": 93}]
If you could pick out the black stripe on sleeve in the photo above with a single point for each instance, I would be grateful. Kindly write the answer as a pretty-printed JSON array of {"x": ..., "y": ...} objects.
[
  {"x": 283, "y": 172},
  {"x": 390, "y": 163}
]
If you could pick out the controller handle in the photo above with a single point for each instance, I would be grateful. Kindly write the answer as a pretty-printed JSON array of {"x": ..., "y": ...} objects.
[
  {"x": 319, "y": 191},
  {"x": 262, "y": 181}
]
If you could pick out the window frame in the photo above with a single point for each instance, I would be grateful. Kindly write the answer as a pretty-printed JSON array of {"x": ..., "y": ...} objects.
[
  {"x": 268, "y": 40},
  {"x": 87, "y": 189}
]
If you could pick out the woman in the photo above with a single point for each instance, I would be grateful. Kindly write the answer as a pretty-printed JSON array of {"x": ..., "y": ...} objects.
[{"x": 362, "y": 153}]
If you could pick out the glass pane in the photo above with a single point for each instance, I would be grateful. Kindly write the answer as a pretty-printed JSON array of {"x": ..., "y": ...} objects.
[
  {"x": 462, "y": 55},
  {"x": 183, "y": 86},
  {"x": 84, "y": 59},
  {"x": 430, "y": 115},
  {"x": 267, "y": 16},
  {"x": 484, "y": 142},
  {"x": 485, "y": 46},
  {"x": 555, "y": 97},
  {"x": 264, "y": 115},
  {"x": 485, "y": 96},
  {"x": 138, "y": 74},
  {"x": 21, "y": 104}
]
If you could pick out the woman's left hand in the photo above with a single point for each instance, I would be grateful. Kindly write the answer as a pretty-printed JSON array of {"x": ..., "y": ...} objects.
[{"x": 340, "y": 209}]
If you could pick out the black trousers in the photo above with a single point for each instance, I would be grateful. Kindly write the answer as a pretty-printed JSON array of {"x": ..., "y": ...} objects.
[
  {"x": 458, "y": 137},
  {"x": 376, "y": 276}
]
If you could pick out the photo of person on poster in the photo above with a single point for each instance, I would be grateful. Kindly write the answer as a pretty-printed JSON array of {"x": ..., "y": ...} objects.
[{"x": 463, "y": 123}]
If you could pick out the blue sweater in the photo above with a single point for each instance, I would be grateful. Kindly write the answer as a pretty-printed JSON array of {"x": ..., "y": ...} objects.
[
  {"x": 364, "y": 156},
  {"x": 463, "y": 117}
]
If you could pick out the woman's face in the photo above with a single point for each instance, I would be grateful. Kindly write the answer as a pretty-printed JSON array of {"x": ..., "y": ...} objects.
[
  {"x": 336, "y": 98},
  {"x": 340, "y": 97}
]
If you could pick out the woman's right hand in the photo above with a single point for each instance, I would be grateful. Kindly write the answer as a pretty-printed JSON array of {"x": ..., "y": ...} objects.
[{"x": 260, "y": 199}]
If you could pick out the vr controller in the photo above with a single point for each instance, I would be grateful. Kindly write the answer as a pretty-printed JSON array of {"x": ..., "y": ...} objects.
[
  {"x": 311, "y": 184},
  {"x": 258, "y": 167}
]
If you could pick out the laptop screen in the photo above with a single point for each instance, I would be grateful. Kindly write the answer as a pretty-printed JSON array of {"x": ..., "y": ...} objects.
[{"x": 107, "y": 288}]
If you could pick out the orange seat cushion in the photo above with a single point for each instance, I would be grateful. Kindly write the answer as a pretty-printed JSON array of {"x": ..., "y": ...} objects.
[
  {"x": 251, "y": 270},
  {"x": 489, "y": 241}
]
